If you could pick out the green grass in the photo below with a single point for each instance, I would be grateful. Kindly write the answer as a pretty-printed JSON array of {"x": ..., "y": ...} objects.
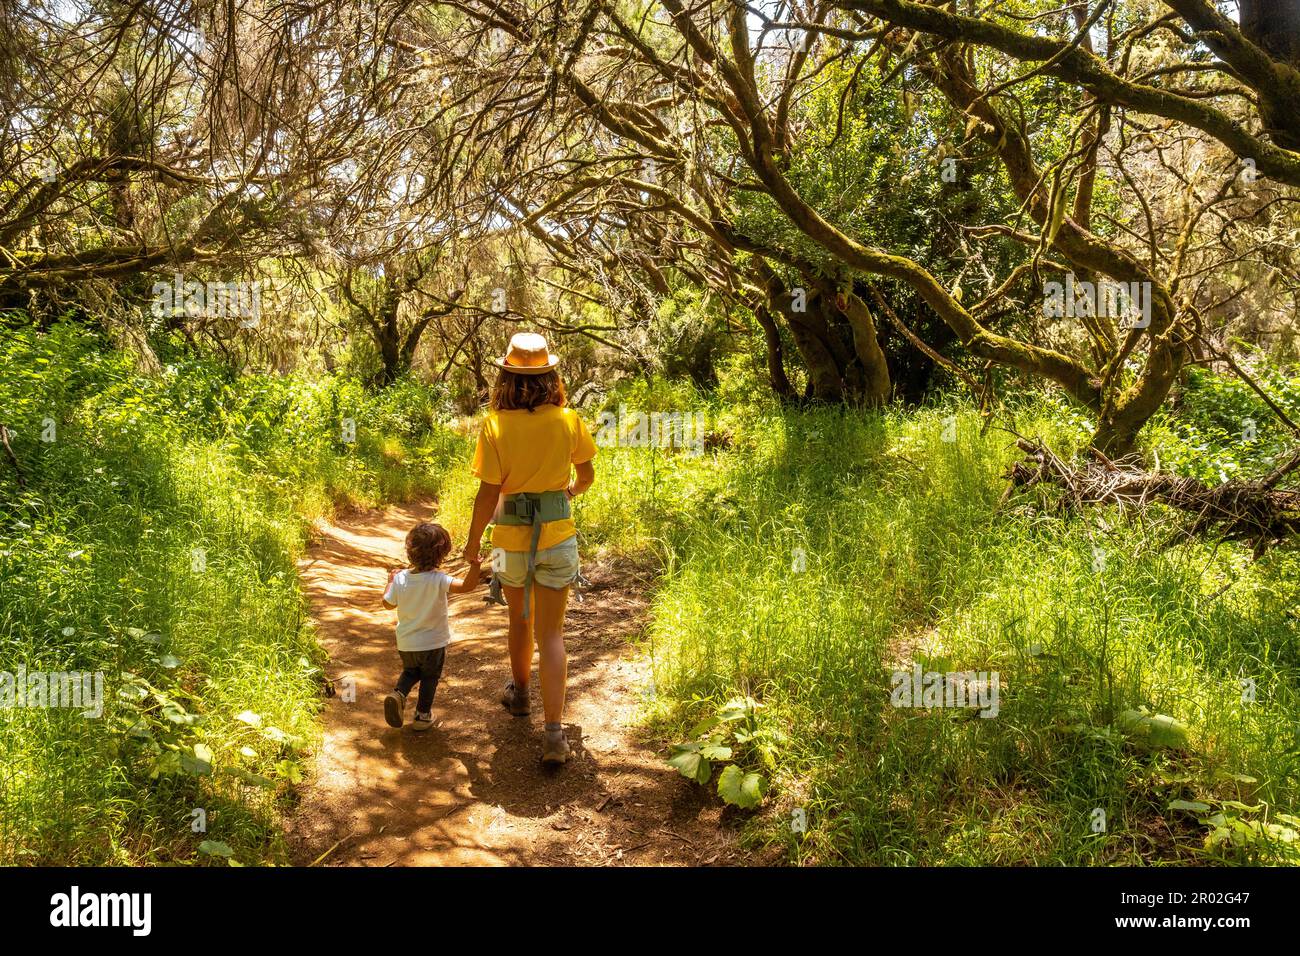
[
  {"x": 155, "y": 542},
  {"x": 908, "y": 557},
  {"x": 800, "y": 564}
]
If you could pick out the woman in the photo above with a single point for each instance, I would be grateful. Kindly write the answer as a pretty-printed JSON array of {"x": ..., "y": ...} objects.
[{"x": 533, "y": 458}]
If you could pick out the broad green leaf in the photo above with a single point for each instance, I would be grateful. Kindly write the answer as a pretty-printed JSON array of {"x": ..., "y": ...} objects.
[
  {"x": 166, "y": 763},
  {"x": 199, "y": 762},
  {"x": 704, "y": 726},
  {"x": 132, "y": 691},
  {"x": 1154, "y": 730},
  {"x": 176, "y": 713},
  {"x": 738, "y": 708},
  {"x": 744, "y": 790},
  {"x": 1238, "y": 777},
  {"x": 216, "y": 848},
  {"x": 941, "y": 664},
  {"x": 1281, "y": 833},
  {"x": 692, "y": 766},
  {"x": 1194, "y": 805}
]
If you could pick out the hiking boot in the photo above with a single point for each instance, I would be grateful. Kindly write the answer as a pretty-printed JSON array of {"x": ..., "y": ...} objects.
[
  {"x": 394, "y": 708},
  {"x": 422, "y": 721},
  {"x": 555, "y": 747},
  {"x": 515, "y": 700}
]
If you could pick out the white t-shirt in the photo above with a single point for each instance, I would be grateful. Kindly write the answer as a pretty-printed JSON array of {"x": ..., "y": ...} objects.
[{"x": 421, "y": 599}]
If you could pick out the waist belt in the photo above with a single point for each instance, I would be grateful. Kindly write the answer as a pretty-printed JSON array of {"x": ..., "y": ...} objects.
[{"x": 533, "y": 508}]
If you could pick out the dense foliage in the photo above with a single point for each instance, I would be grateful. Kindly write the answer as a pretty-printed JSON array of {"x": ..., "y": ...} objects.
[
  {"x": 153, "y": 538},
  {"x": 829, "y": 229}
]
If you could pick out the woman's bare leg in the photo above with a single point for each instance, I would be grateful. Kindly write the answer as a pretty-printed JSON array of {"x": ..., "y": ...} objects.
[
  {"x": 546, "y": 623},
  {"x": 549, "y": 605},
  {"x": 521, "y": 637}
]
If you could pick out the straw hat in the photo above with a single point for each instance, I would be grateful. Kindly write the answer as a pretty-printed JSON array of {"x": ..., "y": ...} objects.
[{"x": 527, "y": 355}]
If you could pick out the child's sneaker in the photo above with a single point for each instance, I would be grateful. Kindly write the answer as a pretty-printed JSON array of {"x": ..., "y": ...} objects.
[
  {"x": 422, "y": 721},
  {"x": 394, "y": 707}
]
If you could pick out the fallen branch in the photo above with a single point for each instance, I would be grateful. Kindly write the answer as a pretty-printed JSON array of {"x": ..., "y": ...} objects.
[
  {"x": 317, "y": 861},
  {"x": 1255, "y": 512}
]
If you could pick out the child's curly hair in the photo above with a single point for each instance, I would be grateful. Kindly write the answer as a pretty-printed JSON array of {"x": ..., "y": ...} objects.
[{"x": 427, "y": 544}]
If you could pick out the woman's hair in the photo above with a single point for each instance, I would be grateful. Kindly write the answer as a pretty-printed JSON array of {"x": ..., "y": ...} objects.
[
  {"x": 426, "y": 545},
  {"x": 513, "y": 391}
]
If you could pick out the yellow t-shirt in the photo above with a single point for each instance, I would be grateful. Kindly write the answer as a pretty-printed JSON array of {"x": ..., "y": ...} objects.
[{"x": 532, "y": 451}]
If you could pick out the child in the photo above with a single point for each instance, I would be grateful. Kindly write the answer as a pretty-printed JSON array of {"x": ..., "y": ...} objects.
[{"x": 419, "y": 593}]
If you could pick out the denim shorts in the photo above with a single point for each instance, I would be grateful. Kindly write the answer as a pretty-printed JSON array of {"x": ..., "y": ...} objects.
[{"x": 557, "y": 567}]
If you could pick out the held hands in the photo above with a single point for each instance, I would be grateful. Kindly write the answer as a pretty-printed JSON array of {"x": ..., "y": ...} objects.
[
  {"x": 473, "y": 557},
  {"x": 473, "y": 553},
  {"x": 473, "y": 574},
  {"x": 392, "y": 573}
]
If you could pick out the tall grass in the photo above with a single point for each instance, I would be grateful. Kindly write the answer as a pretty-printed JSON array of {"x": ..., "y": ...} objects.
[
  {"x": 155, "y": 542},
  {"x": 908, "y": 557},
  {"x": 810, "y": 556}
]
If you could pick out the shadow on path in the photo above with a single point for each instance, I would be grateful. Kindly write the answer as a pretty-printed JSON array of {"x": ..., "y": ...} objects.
[{"x": 473, "y": 790}]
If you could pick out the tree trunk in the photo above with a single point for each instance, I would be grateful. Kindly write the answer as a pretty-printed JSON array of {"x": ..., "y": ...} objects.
[
  {"x": 775, "y": 354},
  {"x": 780, "y": 383},
  {"x": 1273, "y": 25},
  {"x": 388, "y": 337},
  {"x": 866, "y": 344},
  {"x": 825, "y": 321},
  {"x": 824, "y": 381}
]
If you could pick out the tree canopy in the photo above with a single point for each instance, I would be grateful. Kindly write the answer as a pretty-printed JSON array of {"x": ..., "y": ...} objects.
[{"x": 867, "y": 185}]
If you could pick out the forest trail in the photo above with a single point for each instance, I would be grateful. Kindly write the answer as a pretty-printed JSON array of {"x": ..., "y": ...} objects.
[{"x": 472, "y": 790}]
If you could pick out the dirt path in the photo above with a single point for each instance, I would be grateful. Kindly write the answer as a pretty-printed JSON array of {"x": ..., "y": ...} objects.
[{"x": 472, "y": 790}]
